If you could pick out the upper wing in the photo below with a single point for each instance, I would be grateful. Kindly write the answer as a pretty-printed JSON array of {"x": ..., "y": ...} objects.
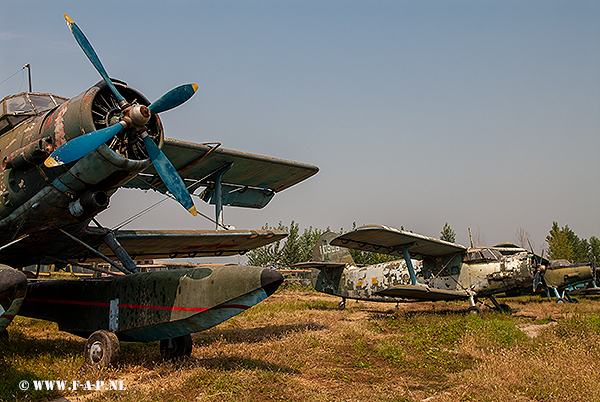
[
  {"x": 385, "y": 240},
  {"x": 50, "y": 247},
  {"x": 249, "y": 180}
]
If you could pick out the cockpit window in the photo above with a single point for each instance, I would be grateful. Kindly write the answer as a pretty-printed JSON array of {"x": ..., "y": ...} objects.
[
  {"x": 45, "y": 102},
  {"x": 18, "y": 104},
  {"x": 30, "y": 102},
  {"x": 16, "y": 108},
  {"x": 482, "y": 255}
]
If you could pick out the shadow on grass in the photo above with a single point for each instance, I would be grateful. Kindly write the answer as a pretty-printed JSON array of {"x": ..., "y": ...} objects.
[
  {"x": 228, "y": 362},
  {"x": 255, "y": 335},
  {"x": 20, "y": 365}
]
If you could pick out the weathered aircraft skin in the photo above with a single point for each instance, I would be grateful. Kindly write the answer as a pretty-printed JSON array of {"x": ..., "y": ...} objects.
[
  {"x": 432, "y": 269},
  {"x": 62, "y": 160},
  {"x": 338, "y": 275},
  {"x": 150, "y": 306}
]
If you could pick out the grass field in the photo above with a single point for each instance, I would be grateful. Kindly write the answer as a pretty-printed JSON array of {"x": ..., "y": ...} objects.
[{"x": 296, "y": 346}]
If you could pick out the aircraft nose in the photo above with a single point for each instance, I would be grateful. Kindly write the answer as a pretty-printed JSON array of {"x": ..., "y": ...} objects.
[{"x": 270, "y": 279}]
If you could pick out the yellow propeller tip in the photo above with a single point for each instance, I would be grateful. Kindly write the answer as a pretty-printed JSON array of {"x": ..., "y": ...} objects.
[
  {"x": 193, "y": 211},
  {"x": 68, "y": 19},
  {"x": 51, "y": 162},
  {"x": 195, "y": 86}
]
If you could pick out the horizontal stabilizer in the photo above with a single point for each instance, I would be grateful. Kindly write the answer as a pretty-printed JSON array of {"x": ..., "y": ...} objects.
[
  {"x": 423, "y": 293},
  {"x": 319, "y": 265},
  {"x": 385, "y": 240}
]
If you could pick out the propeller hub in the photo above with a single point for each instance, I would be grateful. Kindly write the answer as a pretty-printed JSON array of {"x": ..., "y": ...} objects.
[{"x": 139, "y": 115}]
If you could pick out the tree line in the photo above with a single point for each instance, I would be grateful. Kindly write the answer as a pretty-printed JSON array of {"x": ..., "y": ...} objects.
[{"x": 298, "y": 246}]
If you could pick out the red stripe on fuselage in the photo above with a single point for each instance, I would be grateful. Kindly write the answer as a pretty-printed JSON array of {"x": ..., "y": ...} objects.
[{"x": 138, "y": 306}]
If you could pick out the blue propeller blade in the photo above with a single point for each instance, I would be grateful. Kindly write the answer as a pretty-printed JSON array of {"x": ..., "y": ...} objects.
[
  {"x": 91, "y": 54},
  {"x": 173, "y": 98},
  {"x": 80, "y": 146},
  {"x": 169, "y": 175}
]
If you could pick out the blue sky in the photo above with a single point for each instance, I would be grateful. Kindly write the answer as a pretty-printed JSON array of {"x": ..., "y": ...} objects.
[{"x": 482, "y": 114}]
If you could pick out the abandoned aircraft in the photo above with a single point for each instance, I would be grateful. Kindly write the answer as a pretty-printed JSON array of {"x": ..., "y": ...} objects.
[
  {"x": 62, "y": 161},
  {"x": 431, "y": 269}
]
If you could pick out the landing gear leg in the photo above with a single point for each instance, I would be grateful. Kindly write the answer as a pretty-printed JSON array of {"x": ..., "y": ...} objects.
[
  {"x": 176, "y": 348},
  {"x": 474, "y": 309},
  {"x": 570, "y": 299},
  {"x": 342, "y": 304},
  {"x": 501, "y": 307},
  {"x": 101, "y": 349}
]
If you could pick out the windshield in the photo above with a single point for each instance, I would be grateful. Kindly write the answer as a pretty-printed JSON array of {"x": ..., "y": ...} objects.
[{"x": 30, "y": 102}]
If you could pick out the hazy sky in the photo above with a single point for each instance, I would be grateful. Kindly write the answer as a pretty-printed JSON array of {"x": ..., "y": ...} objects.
[{"x": 482, "y": 114}]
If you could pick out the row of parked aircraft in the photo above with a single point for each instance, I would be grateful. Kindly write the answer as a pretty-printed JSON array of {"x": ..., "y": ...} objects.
[
  {"x": 62, "y": 160},
  {"x": 432, "y": 269}
]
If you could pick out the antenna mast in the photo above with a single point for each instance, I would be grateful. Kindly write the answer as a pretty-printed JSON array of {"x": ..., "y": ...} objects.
[{"x": 28, "y": 67}]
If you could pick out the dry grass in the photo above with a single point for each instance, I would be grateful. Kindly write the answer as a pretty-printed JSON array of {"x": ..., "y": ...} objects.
[{"x": 296, "y": 346}]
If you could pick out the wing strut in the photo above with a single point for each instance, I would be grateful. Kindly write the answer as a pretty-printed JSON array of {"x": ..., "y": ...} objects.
[
  {"x": 111, "y": 241},
  {"x": 96, "y": 252},
  {"x": 217, "y": 178},
  {"x": 411, "y": 269}
]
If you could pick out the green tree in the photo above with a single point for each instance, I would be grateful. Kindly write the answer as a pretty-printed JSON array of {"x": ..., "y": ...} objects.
[
  {"x": 595, "y": 248},
  {"x": 293, "y": 249},
  {"x": 447, "y": 234},
  {"x": 298, "y": 247},
  {"x": 564, "y": 244},
  {"x": 559, "y": 244}
]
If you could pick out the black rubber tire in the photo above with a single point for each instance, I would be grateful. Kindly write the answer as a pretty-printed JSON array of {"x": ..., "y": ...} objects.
[
  {"x": 102, "y": 349},
  {"x": 505, "y": 308},
  {"x": 474, "y": 310},
  {"x": 341, "y": 305},
  {"x": 176, "y": 348}
]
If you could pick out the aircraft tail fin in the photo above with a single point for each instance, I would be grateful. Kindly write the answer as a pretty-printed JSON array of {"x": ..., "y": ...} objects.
[{"x": 325, "y": 252}]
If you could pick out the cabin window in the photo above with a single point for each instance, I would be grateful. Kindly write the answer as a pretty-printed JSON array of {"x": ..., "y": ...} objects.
[
  {"x": 18, "y": 104},
  {"x": 43, "y": 102},
  {"x": 482, "y": 255}
]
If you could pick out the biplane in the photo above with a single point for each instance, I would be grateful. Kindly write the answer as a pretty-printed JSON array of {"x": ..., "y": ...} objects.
[
  {"x": 429, "y": 269},
  {"x": 62, "y": 160}
]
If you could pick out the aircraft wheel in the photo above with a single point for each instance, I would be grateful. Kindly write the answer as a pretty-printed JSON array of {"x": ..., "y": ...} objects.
[
  {"x": 474, "y": 310},
  {"x": 505, "y": 308},
  {"x": 176, "y": 348},
  {"x": 561, "y": 300},
  {"x": 102, "y": 349},
  {"x": 342, "y": 305}
]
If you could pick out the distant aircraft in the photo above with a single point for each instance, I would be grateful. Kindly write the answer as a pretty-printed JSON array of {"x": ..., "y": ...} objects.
[
  {"x": 431, "y": 269},
  {"x": 560, "y": 277},
  {"x": 62, "y": 161}
]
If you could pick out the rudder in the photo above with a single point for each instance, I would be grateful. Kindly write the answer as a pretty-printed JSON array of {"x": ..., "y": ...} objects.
[{"x": 325, "y": 252}]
